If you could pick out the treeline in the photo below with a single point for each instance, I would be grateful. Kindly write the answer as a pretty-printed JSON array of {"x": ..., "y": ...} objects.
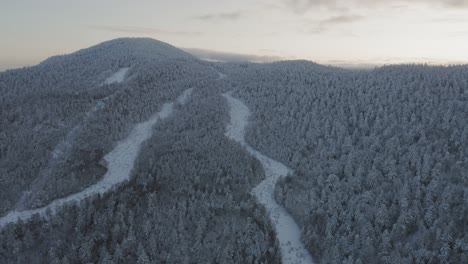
[{"x": 380, "y": 157}]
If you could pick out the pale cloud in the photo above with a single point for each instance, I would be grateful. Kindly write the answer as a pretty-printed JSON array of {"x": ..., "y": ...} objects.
[
  {"x": 460, "y": 33},
  {"x": 451, "y": 20},
  {"x": 221, "y": 16},
  {"x": 143, "y": 30},
  {"x": 328, "y": 23},
  {"x": 302, "y": 6}
]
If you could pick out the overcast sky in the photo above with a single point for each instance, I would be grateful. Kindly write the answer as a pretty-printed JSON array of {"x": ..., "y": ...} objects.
[{"x": 325, "y": 31}]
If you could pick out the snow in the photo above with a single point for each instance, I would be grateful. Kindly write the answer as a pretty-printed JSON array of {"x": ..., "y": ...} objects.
[
  {"x": 59, "y": 155},
  {"x": 117, "y": 77},
  {"x": 120, "y": 164},
  {"x": 221, "y": 76},
  {"x": 183, "y": 98},
  {"x": 287, "y": 231}
]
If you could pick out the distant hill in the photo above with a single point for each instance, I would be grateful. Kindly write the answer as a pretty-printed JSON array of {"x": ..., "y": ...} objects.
[{"x": 124, "y": 50}]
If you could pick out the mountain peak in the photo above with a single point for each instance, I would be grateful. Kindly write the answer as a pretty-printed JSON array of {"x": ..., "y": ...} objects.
[
  {"x": 126, "y": 49},
  {"x": 146, "y": 47}
]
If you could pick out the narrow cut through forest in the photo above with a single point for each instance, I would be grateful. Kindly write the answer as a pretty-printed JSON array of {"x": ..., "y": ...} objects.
[
  {"x": 120, "y": 162},
  {"x": 288, "y": 233}
]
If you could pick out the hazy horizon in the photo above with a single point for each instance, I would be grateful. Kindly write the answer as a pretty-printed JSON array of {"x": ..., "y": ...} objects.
[{"x": 343, "y": 33}]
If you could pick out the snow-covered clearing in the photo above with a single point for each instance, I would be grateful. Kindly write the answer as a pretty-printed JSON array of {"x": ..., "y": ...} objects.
[
  {"x": 117, "y": 77},
  {"x": 287, "y": 231},
  {"x": 221, "y": 76},
  {"x": 120, "y": 163}
]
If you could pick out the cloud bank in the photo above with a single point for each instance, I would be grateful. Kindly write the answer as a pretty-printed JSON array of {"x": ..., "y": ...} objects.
[
  {"x": 212, "y": 55},
  {"x": 301, "y": 6}
]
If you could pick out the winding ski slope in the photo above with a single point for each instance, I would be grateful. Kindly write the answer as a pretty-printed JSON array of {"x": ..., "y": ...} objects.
[
  {"x": 120, "y": 164},
  {"x": 287, "y": 231}
]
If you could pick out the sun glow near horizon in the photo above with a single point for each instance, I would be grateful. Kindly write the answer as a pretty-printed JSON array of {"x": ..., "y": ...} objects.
[{"x": 356, "y": 32}]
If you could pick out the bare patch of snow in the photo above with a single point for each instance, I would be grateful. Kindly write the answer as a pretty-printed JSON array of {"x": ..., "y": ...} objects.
[
  {"x": 120, "y": 163},
  {"x": 117, "y": 77},
  {"x": 183, "y": 98},
  {"x": 287, "y": 231},
  {"x": 221, "y": 76}
]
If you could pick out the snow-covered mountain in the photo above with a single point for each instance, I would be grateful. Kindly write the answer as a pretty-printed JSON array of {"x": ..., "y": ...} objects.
[
  {"x": 124, "y": 50},
  {"x": 135, "y": 151},
  {"x": 49, "y": 108}
]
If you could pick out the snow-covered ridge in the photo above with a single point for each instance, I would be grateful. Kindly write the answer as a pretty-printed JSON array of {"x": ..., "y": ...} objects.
[
  {"x": 120, "y": 163},
  {"x": 287, "y": 231},
  {"x": 117, "y": 77}
]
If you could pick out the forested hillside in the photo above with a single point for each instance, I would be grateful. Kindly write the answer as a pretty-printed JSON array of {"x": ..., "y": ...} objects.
[
  {"x": 64, "y": 101},
  {"x": 377, "y": 159},
  {"x": 380, "y": 157},
  {"x": 187, "y": 202}
]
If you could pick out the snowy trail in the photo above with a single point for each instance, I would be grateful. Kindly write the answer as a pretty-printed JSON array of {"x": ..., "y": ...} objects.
[
  {"x": 63, "y": 148},
  {"x": 120, "y": 164},
  {"x": 117, "y": 77},
  {"x": 59, "y": 155},
  {"x": 287, "y": 231},
  {"x": 221, "y": 76}
]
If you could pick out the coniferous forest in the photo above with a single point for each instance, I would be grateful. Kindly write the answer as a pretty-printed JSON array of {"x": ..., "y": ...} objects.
[{"x": 378, "y": 159}]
